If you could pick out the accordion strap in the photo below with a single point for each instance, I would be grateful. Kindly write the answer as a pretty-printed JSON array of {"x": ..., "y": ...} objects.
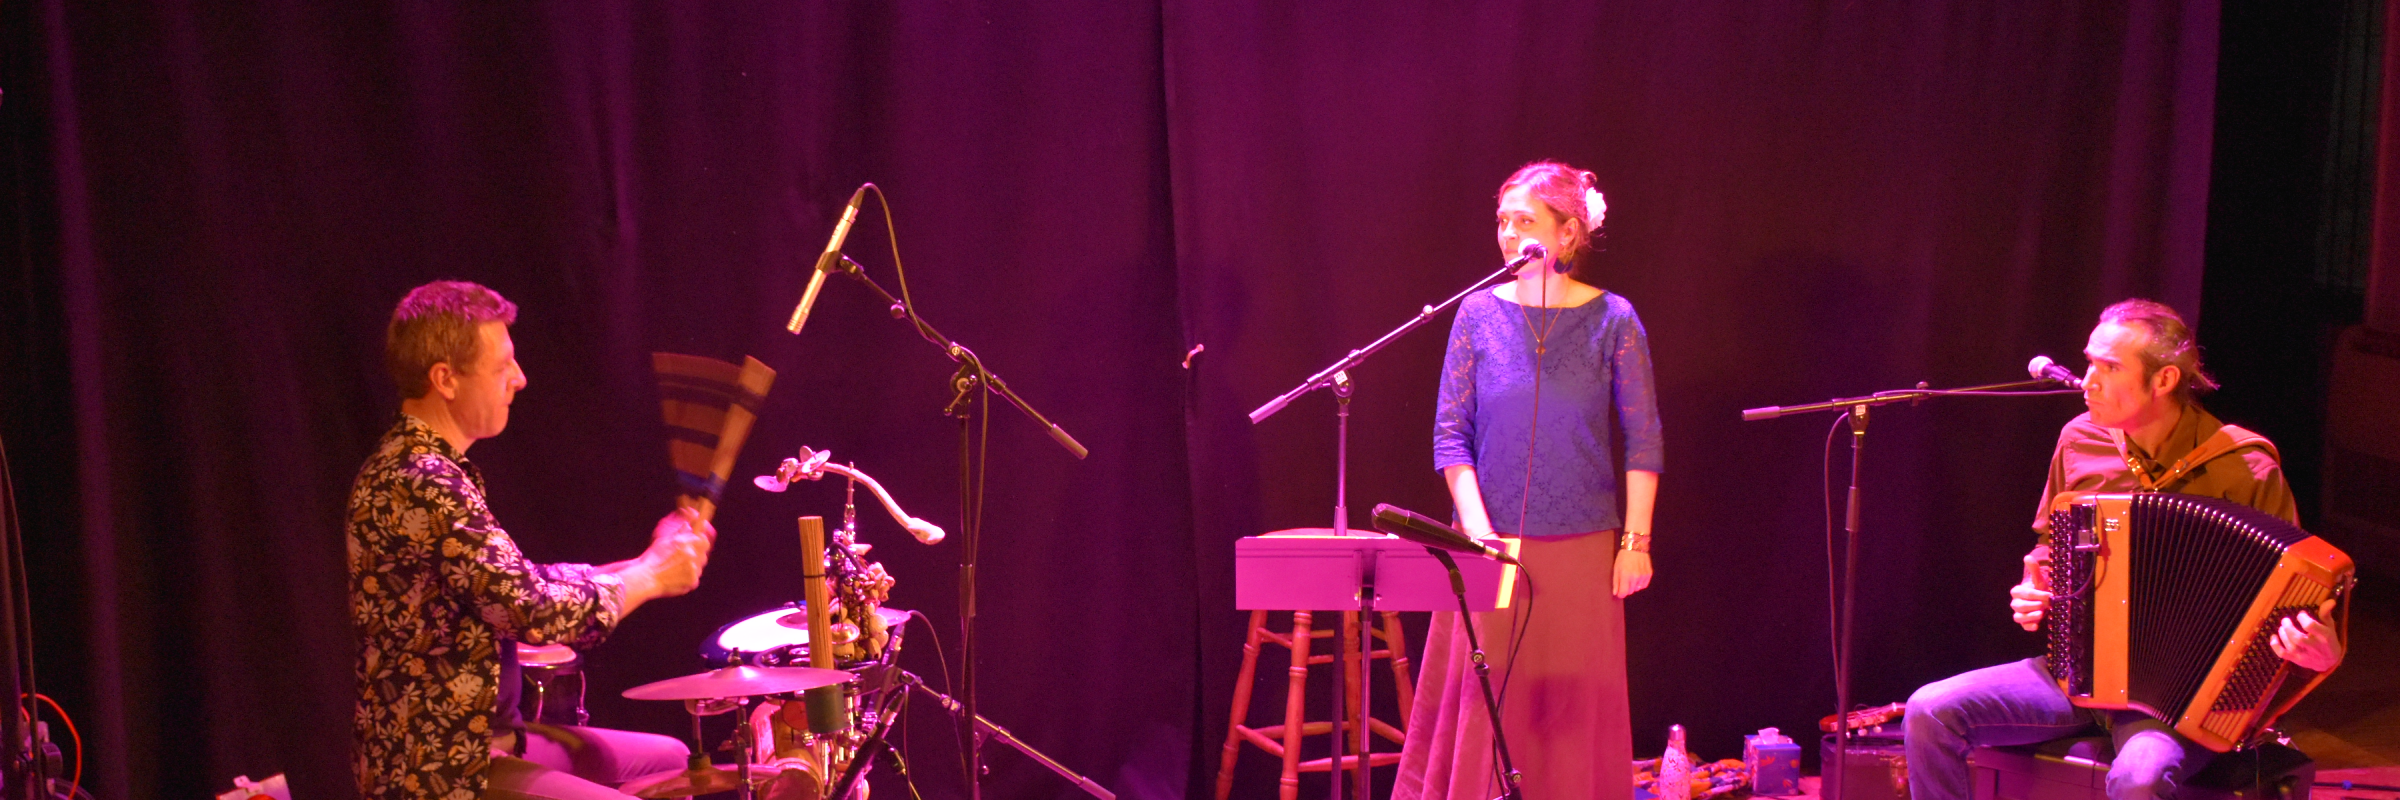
[{"x": 2228, "y": 439}]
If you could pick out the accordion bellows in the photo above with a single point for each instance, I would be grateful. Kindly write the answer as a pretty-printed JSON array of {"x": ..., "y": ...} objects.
[{"x": 2165, "y": 604}]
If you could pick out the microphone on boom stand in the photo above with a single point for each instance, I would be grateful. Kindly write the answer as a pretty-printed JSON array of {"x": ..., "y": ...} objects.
[
  {"x": 2044, "y": 369},
  {"x": 827, "y": 261},
  {"x": 1534, "y": 251},
  {"x": 1423, "y": 530}
]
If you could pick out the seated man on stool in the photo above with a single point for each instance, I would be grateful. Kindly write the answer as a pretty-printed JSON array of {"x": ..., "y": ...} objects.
[
  {"x": 2143, "y": 419},
  {"x": 439, "y": 594}
]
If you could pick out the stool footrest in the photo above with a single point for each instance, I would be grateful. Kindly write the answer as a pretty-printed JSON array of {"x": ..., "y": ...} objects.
[
  {"x": 1329, "y": 657},
  {"x": 1350, "y": 762},
  {"x": 1283, "y": 741}
]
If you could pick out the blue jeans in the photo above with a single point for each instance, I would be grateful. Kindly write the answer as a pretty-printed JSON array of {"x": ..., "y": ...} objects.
[{"x": 2018, "y": 703}]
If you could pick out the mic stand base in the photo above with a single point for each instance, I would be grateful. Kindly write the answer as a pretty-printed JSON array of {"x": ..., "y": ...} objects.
[
  {"x": 984, "y": 728},
  {"x": 1510, "y": 787}
]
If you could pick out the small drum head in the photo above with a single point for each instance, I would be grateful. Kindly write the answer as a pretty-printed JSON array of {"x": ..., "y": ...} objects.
[
  {"x": 547, "y": 658},
  {"x": 776, "y": 637}
]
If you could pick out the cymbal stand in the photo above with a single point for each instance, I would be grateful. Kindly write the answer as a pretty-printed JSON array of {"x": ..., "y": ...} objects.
[{"x": 743, "y": 737}]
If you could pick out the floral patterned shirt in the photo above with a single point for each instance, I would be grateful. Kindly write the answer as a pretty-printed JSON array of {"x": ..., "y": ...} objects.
[{"x": 435, "y": 586}]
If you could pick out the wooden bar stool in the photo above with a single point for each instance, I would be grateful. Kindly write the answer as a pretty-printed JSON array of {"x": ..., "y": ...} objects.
[{"x": 1283, "y": 741}]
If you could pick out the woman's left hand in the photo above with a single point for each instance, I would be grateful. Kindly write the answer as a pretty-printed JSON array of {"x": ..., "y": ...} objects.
[{"x": 1632, "y": 573}]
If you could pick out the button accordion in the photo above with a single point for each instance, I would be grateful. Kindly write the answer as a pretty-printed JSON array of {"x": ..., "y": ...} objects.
[{"x": 2165, "y": 604}]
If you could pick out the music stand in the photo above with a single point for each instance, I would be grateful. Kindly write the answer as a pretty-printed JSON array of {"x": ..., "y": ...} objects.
[{"x": 1312, "y": 568}]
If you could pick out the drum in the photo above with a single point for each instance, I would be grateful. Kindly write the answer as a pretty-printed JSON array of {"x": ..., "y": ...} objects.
[
  {"x": 778, "y": 637},
  {"x": 542, "y": 665}
]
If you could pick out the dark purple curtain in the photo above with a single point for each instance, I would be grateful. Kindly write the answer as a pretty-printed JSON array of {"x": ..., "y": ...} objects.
[
  {"x": 221, "y": 205},
  {"x": 1807, "y": 200}
]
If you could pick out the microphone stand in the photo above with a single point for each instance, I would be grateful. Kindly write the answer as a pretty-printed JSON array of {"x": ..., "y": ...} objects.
[
  {"x": 972, "y": 378},
  {"x": 960, "y": 354},
  {"x": 1509, "y": 790},
  {"x": 1856, "y": 409},
  {"x": 985, "y": 727},
  {"x": 1337, "y": 376}
]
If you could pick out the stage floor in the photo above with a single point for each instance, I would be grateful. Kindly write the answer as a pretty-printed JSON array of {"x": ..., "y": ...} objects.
[{"x": 2350, "y": 725}]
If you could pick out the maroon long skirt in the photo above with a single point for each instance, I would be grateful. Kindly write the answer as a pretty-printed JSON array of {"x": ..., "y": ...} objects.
[{"x": 1566, "y": 713}]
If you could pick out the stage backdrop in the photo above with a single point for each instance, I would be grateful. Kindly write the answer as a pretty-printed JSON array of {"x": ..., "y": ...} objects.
[{"x": 1808, "y": 200}]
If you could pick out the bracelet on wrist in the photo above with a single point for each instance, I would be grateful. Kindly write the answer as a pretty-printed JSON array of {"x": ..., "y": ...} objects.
[{"x": 1635, "y": 541}]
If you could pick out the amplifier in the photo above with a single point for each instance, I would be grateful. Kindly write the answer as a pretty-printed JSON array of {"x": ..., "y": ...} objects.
[{"x": 1877, "y": 769}]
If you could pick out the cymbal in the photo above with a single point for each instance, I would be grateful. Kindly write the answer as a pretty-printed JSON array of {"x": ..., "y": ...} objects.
[
  {"x": 738, "y": 681},
  {"x": 698, "y": 780}
]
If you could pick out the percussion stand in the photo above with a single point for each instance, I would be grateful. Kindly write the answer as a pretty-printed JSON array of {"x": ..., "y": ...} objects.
[
  {"x": 973, "y": 380},
  {"x": 1855, "y": 408},
  {"x": 1338, "y": 378}
]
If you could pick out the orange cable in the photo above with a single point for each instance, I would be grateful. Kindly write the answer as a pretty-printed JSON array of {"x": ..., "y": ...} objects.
[{"x": 76, "y": 784}]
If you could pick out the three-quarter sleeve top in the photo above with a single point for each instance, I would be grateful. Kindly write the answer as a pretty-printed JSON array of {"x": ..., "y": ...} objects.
[{"x": 1593, "y": 382}]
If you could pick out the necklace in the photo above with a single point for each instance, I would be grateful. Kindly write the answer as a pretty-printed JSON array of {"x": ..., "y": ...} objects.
[{"x": 1541, "y": 337}]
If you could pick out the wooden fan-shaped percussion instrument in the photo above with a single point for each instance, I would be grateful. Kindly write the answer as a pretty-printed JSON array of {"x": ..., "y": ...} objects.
[{"x": 709, "y": 405}]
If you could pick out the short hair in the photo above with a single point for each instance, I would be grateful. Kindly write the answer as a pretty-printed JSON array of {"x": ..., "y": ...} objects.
[
  {"x": 1568, "y": 193},
  {"x": 435, "y": 323},
  {"x": 2169, "y": 343}
]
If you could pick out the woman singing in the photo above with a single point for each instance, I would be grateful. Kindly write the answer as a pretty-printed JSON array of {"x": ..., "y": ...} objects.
[{"x": 1543, "y": 375}]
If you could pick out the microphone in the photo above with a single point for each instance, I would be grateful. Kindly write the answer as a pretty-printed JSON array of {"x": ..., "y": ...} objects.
[
  {"x": 1533, "y": 252},
  {"x": 1418, "y": 528},
  {"x": 2044, "y": 369},
  {"x": 826, "y": 262}
]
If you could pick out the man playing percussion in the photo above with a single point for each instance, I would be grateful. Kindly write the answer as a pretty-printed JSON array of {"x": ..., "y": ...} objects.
[
  {"x": 2143, "y": 422},
  {"x": 439, "y": 594}
]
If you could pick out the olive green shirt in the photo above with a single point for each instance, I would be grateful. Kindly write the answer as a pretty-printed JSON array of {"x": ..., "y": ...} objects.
[{"x": 2091, "y": 458}]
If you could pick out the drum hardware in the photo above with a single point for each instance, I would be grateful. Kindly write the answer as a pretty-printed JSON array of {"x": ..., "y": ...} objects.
[
  {"x": 735, "y": 683},
  {"x": 812, "y": 737},
  {"x": 812, "y": 465},
  {"x": 702, "y": 777}
]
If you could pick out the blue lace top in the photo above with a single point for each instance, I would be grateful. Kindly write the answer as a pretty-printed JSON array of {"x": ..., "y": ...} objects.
[{"x": 1594, "y": 381}]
